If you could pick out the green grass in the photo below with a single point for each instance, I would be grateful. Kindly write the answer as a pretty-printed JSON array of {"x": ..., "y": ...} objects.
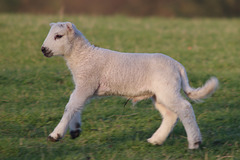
[{"x": 34, "y": 90}]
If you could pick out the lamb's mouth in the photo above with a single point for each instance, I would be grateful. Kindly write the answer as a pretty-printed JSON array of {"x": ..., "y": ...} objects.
[{"x": 48, "y": 54}]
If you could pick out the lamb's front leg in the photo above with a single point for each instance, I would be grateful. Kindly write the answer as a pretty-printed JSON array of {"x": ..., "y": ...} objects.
[
  {"x": 75, "y": 125},
  {"x": 73, "y": 108}
]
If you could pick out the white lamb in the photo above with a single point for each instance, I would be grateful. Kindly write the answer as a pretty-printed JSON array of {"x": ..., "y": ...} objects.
[{"x": 137, "y": 76}]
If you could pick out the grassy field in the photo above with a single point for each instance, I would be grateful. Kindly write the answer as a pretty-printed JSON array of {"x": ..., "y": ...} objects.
[{"x": 34, "y": 90}]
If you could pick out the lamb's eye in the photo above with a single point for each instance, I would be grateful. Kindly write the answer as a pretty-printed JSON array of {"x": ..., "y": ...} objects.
[{"x": 58, "y": 36}]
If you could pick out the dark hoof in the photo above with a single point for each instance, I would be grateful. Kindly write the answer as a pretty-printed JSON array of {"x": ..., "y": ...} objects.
[
  {"x": 53, "y": 139},
  {"x": 75, "y": 134},
  {"x": 195, "y": 145}
]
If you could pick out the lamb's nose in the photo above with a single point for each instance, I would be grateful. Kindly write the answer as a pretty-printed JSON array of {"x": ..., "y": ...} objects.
[{"x": 43, "y": 49}]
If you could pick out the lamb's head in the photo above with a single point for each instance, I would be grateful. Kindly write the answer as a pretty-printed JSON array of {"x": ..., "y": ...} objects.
[{"x": 59, "y": 40}]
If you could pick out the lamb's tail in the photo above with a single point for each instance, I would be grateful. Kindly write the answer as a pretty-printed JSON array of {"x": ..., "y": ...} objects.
[{"x": 199, "y": 93}]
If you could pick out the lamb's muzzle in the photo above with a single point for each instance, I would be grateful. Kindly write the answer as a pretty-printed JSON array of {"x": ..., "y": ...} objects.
[{"x": 46, "y": 52}]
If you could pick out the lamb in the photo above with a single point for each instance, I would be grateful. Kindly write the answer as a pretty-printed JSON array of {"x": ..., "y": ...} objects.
[{"x": 136, "y": 76}]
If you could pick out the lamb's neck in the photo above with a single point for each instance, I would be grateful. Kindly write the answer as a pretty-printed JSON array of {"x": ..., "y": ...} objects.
[{"x": 80, "y": 55}]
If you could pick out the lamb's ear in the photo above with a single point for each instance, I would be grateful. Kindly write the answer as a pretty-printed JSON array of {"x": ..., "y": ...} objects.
[
  {"x": 51, "y": 24},
  {"x": 69, "y": 26}
]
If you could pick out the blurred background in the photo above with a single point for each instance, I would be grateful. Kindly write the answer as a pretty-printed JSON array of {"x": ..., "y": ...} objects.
[{"x": 164, "y": 8}]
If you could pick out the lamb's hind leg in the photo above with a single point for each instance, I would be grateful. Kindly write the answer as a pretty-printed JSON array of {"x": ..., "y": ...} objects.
[
  {"x": 169, "y": 120},
  {"x": 187, "y": 116}
]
